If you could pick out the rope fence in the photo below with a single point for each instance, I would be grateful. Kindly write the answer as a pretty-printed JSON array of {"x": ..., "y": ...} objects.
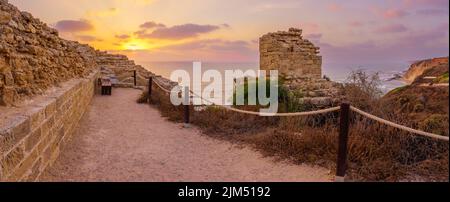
[
  {"x": 322, "y": 111},
  {"x": 344, "y": 109},
  {"x": 401, "y": 127}
]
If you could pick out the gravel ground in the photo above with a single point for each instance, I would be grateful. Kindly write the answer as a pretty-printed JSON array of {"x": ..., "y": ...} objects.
[{"x": 119, "y": 140}]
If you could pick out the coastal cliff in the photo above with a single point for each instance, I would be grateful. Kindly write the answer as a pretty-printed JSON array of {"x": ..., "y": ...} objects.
[
  {"x": 425, "y": 100},
  {"x": 419, "y": 67}
]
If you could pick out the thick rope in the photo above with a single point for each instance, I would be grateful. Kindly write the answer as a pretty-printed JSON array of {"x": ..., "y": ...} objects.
[
  {"x": 389, "y": 123},
  {"x": 323, "y": 111},
  {"x": 162, "y": 88}
]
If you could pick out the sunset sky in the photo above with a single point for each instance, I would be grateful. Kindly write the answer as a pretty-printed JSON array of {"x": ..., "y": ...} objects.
[{"x": 364, "y": 31}]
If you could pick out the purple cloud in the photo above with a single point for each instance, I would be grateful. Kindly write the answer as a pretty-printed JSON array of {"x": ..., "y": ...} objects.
[
  {"x": 87, "y": 38},
  {"x": 432, "y": 12},
  {"x": 356, "y": 24},
  {"x": 314, "y": 36},
  {"x": 394, "y": 28},
  {"x": 415, "y": 45},
  {"x": 225, "y": 25},
  {"x": 432, "y": 3},
  {"x": 394, "y": 13},
  {"x": 151, "y": 25},
  {"x": 74, "y": 26},
  {"x": 178, "y": 31}
]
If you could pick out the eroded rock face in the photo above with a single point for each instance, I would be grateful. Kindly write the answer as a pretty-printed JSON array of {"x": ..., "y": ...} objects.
[
  {"x": 33, "y": 57},
  {"x": 418, "y": 68},
  {"x": 290, "y": 54}
]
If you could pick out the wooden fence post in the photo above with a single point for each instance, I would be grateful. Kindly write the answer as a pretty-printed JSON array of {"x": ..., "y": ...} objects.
[
  {"x": 135, "y": 79},
  {"x": 186, "y": 107},
  {"x": 343, "y": 140},
  {"x": 150, "y": 83}
]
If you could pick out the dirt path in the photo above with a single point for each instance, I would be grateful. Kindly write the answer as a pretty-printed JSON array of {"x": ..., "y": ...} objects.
[{"x": 119, "y": 140}]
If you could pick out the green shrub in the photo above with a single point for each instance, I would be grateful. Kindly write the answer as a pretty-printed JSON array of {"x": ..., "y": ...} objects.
[
  {"x": 442, "y": 79},
  {"x": 436, "y": 123}
]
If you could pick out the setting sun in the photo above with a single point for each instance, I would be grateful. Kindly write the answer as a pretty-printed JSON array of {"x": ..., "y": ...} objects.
[{"x": 135, "y": 45}]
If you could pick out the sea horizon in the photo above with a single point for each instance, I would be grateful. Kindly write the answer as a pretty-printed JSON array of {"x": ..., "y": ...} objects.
[{"x": 388, "y": 72}]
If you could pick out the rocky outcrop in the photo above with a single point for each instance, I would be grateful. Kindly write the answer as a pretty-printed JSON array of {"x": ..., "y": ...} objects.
[
  {"x": 33, "y": 57},
  {"x": 418, "y": 68}
]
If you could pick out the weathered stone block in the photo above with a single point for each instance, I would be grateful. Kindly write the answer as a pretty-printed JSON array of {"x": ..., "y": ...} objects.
[
  {"x": 32, "y": 140},
  {"x": 35, "y": 171},
  {"x": 13, "y": 132},
  {"x": 37, "y": 116},
  {"x": 24, "y": 167},
  {"x": 12, "y": 159}
]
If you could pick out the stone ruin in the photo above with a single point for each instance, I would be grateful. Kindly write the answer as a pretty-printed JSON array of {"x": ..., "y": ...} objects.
[
  {"x": 290, "y": 54},
  {"x": 121, "y": 68},
  {"x": 299, "y": 64}
]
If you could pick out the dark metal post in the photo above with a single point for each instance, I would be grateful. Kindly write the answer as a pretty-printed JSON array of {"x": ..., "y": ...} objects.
[
  {"x": 343, "y": 140},
  {"x": 150, "y": 83},
  {"x": 135, "y": 79}
]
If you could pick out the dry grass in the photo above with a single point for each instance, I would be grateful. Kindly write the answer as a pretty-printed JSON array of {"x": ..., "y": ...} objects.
[{"x": 376, "y": 152}]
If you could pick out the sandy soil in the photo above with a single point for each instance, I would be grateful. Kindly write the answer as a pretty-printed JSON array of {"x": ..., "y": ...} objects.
[{"x": 119, "y": 140}]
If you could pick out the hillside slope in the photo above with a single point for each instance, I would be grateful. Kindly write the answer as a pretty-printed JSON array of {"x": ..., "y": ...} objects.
[{"x": 425, "y": 100}]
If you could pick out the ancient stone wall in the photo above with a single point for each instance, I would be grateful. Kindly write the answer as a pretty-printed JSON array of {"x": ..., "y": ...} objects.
[
  {"x": 290, "y": 54},
  {"x": 33, "y": 57},
  {"x": 31, "y": 136},
  {"x": 123, "y": 69}
]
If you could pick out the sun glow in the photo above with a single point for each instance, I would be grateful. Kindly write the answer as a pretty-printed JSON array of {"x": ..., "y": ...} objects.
[{"x": 135, "y": 45}]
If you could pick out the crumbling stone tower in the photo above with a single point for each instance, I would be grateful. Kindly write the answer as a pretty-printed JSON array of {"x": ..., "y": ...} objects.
[{"x": 290, "y": 54}]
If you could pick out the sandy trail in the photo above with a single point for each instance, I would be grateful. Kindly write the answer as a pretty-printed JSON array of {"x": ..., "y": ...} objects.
[{"x": 119, "y": 140}]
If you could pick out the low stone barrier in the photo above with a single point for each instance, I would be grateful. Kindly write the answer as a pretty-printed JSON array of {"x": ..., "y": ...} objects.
[{"x": 32, "y": 135}]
